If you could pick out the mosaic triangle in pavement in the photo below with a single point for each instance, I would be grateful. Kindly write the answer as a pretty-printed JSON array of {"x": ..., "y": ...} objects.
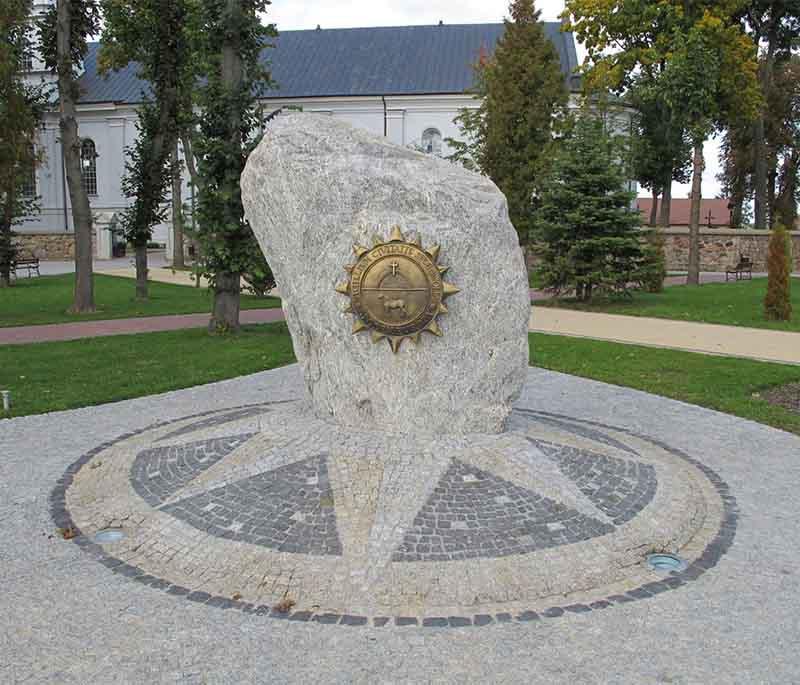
[
  {"x": 472, "y": 513},
  {"x": 620, "y": 488},
  {"x": 158, "y": 473},
  {"x": 289, "y": 509}
]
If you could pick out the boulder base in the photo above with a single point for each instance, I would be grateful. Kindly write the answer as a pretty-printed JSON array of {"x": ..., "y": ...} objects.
[{"x": 316, "y": 186}]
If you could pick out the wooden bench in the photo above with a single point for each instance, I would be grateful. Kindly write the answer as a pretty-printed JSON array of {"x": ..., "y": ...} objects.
[
  {"x": 742, "y": 269},
  {"x": 30, "y": 263}
]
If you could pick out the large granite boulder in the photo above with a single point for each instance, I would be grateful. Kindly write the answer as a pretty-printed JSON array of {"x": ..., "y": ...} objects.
[{"x": 316, "y": 186}]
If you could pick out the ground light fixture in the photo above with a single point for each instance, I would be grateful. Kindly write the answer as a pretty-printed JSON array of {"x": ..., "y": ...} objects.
[
  {"x": 108, "y": 536},
  {"x": 666, "y": 562}
]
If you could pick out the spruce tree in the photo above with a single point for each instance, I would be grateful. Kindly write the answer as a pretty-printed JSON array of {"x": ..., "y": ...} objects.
[
  {"x": 523, "y": 92},
  {"x": 586, "y": 231}
]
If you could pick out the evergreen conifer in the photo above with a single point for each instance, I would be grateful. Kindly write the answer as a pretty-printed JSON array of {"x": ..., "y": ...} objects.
[
  {"x": 586, "y": 231},
  {"x": 778, "y": 301},
  {"x": 523, "y": 93}
]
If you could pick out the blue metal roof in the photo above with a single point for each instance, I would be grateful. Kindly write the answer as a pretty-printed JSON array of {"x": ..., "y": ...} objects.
[{"x": 403, "y": 60}]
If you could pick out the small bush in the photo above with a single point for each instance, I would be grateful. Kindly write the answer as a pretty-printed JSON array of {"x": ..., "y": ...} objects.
[
  {"x": 778, "y": 301},
  {"x": 654, "y": 268}
]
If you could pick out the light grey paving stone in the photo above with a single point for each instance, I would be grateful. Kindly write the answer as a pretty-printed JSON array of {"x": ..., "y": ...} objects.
[{"x": 66, "y": 619}]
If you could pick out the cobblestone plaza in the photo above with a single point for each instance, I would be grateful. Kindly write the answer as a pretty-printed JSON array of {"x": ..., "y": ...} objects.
[
  {"x": 271, "y": 511},
  {"x": 70, "y": 618}
]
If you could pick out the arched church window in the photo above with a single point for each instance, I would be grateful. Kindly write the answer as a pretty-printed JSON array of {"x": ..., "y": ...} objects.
[
  {"x": 28, "y": 187},
  {"x": 89, "y": 166},
  {"x": 26, "y": 53},
  {"x": 432, "y": 141}
]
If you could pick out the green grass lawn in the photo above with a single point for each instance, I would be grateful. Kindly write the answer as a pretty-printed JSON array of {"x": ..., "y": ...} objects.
[
  {"x": 723, "y": 383},
  {"x": 734, "y": 304},
  {"x": 65, "y": 375},
  {"x": 78, "y": 373},
  {"x": 47, "y": 299}
]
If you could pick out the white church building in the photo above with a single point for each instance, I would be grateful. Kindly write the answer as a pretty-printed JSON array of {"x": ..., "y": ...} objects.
[{"x": 406, "y": 83}]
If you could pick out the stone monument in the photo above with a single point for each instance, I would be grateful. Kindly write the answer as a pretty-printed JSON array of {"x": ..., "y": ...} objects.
[
  {"x": 319, "y": 194},
  {"x": 400, "y": 485}
]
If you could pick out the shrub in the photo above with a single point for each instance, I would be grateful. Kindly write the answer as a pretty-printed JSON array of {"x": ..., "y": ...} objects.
[
  {"x": 778, "y": 301},
  {"x": 654, "y": 269}
]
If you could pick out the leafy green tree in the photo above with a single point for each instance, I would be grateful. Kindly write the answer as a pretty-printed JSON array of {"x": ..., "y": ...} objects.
[
  {"x": 523, "y": 94},
  {"x": 735, "y": 177},
  {"x": 586, "y": 232},
  {"x": 660, "y": 149},
  {"x": 785, "y": 114},
  {"x": 151, "y": 33},
  {"x": 711, "y": 77},
  {"x": 774, "y": 26},
  {"x": 63, "y": 36},
  {"x": 778, "y": 300},
  {"x": 702, "y": 64},
  {"x": 21, "y": 110},
  {"x": 230, "y": 43}
]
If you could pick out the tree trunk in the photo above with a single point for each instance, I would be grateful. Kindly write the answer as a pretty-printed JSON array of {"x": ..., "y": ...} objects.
[
  {"x": 772, "y": 177},
  {"x": 759, "y": 175},
  {"x": 654, "y": 208},
  {"x": 737, "y": 202},
  {"x": 666, "y": 202},
  {"x": 785, "y": 204},
  {"x": 766, "y": 70},
  {"x": 71, "y": 150},
  {"x": 6, "y": 248},
  {"x": 225, "y": 315},
  {"x": 177, "y": 211},
  {"x": 693, "y": 277},
  {"x": 141, "y": 272}
]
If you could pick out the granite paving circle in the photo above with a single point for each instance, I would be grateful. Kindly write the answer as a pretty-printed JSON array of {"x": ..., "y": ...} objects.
[
  {"x": 70, "y": 618},
  {"x": 271, "y": 511}
]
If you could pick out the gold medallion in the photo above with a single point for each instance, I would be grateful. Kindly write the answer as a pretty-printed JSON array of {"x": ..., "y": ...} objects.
[{"x": 396, "y": 289}]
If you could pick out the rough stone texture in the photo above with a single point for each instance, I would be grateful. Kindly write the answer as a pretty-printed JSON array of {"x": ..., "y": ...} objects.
[
  {"x": 313, "y": 188},
  {"x": 50, "y": 246},
  {"x": 720, "y": 248}
]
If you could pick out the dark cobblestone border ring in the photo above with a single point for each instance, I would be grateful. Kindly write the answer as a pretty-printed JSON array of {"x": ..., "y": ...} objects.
[{"x": 712, "y": 553}]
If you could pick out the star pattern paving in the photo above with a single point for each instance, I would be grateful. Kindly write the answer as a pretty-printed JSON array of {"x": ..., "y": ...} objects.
[{"x": 382, "y": 509}]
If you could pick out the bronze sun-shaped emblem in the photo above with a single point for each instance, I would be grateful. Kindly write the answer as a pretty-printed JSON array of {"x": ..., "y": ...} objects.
[{"x": 396, "y": 289}]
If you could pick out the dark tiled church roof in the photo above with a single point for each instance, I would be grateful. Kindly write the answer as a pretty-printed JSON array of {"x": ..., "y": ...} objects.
[{"x": 403, "y": 60}]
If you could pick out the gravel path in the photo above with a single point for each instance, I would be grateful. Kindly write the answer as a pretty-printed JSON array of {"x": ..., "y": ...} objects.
[{"x": 67, "y": 619}]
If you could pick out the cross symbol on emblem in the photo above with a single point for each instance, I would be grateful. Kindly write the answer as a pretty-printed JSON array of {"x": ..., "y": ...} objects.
[{"x": 394, "y": 266}]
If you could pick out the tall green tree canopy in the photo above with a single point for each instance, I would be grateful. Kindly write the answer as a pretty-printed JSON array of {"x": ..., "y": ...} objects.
[
  {"x": 153, "y": 34},
  {"x": 21, "y": 110},
  {"x": 774, "y": 26},
  {"x": 523, "y": 94},
  {"x": 229, "y": 36},
  {"x": 694, "y": 51},
  {"x": 64, "y": 33}
]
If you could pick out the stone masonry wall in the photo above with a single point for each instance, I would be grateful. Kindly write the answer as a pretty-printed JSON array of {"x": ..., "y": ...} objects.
[
  {"x": 720, "y": 248},
  {"x": 50, "y": 246}
]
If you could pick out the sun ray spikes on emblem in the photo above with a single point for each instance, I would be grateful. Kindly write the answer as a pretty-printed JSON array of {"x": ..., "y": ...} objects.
[{"x": 396, "y": 289}]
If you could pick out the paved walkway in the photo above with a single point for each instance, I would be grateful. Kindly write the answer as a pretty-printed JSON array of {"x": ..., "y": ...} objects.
[
  {"x": 146, "y": 324},
  {"x": 163, "y": 274},
  {"x": 69, "y": 619},
  {"x": 732, "y": 341}
]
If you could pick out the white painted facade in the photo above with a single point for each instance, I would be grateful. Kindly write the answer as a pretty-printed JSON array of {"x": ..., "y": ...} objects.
[{"x": 112, "y": 128}]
